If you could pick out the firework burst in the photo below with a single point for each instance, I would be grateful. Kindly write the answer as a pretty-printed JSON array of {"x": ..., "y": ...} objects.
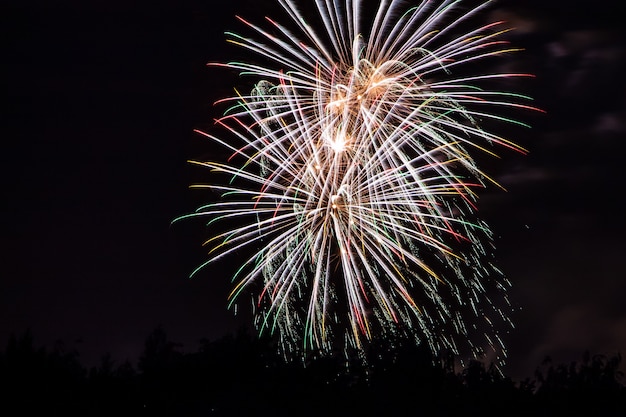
[{"x": 353, "y": 178}]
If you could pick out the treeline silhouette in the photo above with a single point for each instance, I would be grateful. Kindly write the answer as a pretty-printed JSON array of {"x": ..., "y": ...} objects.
[{"x": 241, "y": 375}]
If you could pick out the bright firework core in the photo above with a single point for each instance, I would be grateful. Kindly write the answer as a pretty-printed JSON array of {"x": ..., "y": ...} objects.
[{"x": 357, "y": 191}]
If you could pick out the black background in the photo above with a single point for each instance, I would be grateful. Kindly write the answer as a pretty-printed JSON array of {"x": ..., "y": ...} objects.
[{"x": 101, "y": 101}]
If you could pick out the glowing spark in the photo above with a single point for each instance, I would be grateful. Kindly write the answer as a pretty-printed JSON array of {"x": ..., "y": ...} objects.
[{"x": 357, "y": 192}]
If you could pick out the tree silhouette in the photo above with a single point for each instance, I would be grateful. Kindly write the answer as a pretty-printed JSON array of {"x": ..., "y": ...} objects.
[
  {"x": 589, "y": 387},
  {"x": 36, "y": 381},
  {"x": 241, "y": 374}
]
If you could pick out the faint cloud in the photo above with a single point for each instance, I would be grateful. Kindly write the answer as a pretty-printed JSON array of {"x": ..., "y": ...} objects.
[
  {"x": 525, "y": 175},
  {"x": 610, "y": 123},
  {"x": 575, "y": 329}
]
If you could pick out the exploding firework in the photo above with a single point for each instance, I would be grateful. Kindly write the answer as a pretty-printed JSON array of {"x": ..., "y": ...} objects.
[{"x": 353, "y": 177}]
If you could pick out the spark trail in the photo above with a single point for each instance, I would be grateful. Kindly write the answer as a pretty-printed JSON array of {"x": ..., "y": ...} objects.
[{"x": 353, "y": 178}]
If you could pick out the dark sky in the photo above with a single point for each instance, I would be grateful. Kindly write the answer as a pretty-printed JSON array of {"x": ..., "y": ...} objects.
[{"x": 101, "y": 101}]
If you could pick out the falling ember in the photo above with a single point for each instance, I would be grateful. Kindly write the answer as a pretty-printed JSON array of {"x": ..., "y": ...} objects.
[{"x": 358, "y": 192}]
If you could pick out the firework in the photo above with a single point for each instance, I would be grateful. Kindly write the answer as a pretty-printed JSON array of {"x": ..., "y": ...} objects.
[{"x": 353, "y": 179}]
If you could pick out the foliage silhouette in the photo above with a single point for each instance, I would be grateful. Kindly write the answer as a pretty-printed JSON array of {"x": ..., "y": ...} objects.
[
  {"x": 589, "y": 387},
  {"x": 243, "y": 375}
]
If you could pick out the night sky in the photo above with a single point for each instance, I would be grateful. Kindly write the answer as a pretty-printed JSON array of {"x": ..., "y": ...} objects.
[{"x": 101, "y": 101}]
